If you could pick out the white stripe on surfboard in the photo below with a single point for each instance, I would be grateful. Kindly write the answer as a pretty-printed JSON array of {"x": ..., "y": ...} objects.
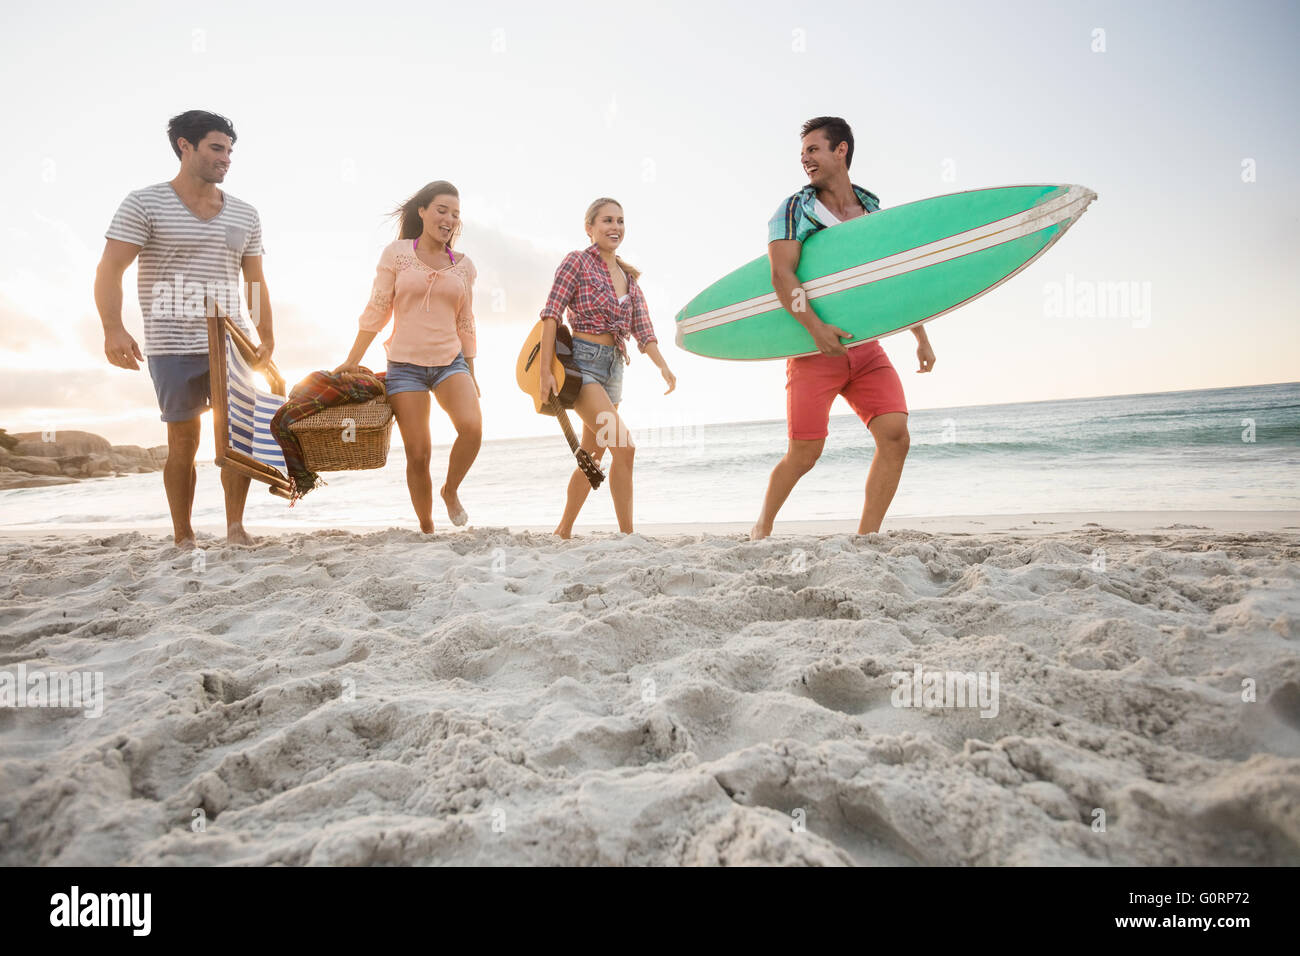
[
  {"x": 1039, "y": 217},
  {"x": 1068, "y": 205},
  {"x": 860, "y": 277},
  {"x": 1014, "y": 272},
  {"x": 922, "y": 321},
  {"x": 769, "y": 301}
]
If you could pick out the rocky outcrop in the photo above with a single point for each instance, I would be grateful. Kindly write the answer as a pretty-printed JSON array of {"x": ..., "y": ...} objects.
[
  {"x": 60, "y": 445},
  {"x": 31, "y": 464},
  {"x": 27, "y": 460}
]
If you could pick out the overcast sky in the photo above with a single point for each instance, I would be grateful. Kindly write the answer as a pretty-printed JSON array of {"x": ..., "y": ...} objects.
[{"x": 1181, "y": 116}]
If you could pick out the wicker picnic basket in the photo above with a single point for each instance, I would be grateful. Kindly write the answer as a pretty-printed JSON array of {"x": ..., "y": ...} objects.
[{"x": 322, "y": 436}]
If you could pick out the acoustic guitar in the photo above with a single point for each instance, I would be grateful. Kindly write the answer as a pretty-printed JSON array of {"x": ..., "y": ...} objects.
[{"x": 568, "y": 382}]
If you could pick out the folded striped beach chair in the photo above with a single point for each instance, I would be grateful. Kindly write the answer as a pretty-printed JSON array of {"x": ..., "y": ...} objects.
[{"x": 241, "y": 411}]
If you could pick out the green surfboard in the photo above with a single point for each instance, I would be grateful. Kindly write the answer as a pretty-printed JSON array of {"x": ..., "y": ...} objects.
[{"x": 884, "y": 272}]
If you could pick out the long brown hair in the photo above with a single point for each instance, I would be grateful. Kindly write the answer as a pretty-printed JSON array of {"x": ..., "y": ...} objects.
[
  {"x": 410, "y": 225},
  {"x": 632, "y": 271}
]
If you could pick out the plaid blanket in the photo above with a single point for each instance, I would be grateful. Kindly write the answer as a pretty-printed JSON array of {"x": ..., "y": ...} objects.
[{"x": 317, "y": 391}]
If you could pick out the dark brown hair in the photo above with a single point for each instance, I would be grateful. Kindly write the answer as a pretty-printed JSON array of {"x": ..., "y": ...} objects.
[
  {"x": 836, "y": 130},
  {"x": 193, "y": 125},
  {"x": 410, "y": 225}
]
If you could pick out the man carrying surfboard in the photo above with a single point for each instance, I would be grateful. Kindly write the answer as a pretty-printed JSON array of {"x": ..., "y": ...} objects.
[{"x": 862, "y": 373}]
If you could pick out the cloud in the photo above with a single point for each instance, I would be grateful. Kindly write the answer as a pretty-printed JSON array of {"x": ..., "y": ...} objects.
[
  {"x": 22, "y": 390},
  {"x": 21, "y": 332}
]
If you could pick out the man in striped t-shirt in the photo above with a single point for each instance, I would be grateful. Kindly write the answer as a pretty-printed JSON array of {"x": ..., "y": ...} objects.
[{"x": 192, "y": 240}]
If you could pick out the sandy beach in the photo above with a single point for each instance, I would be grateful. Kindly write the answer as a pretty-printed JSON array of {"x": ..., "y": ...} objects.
[{"x": 677, "y": 696}]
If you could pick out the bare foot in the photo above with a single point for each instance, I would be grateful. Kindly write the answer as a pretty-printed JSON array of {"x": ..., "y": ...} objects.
[
  {"x": 235, "y": 534},
  {"x": 565, "y": 533},
  {"x": 758, "y": 532},
  {"x": 426, "y": 527},
  {"x": 185, "y": 542},
  {"x": 454, "y": 510}
]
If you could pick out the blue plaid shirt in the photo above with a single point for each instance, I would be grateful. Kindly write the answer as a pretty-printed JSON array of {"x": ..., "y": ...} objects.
[{"x": 796, "y": 218}]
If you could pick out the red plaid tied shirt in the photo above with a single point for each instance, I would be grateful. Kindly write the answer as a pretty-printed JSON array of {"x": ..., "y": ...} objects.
[{"x": 583, "y": 287}]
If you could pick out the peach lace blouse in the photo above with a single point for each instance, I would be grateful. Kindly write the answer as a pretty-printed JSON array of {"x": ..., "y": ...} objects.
[{"x": 432, "y": 309}]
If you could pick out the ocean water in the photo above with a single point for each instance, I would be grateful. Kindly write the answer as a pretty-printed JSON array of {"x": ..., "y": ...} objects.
[{"x": 1212, "y": 449}]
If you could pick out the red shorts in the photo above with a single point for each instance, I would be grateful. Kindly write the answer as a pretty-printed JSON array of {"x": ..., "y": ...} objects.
[{"x": 865, "y": 377}]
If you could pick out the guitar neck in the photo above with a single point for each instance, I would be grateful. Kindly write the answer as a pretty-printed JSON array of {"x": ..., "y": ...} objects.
[{"x": 565, "y": 427}]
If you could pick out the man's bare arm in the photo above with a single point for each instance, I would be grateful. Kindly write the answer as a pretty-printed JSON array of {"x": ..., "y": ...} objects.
[
  {"x": 924, "y": 352},
  {"x": 783, "y": 254},
  {"x": 259, "y": 305},
  {"x": 119, "y": 347}
]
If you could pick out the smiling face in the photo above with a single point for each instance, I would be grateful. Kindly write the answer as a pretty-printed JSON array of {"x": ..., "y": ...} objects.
[
  {"x": 606, "y": 231},
  {"x": 210, "y": 160},
  {"x": 441, "y": 217},
  {"x": 820, "y": 162}
]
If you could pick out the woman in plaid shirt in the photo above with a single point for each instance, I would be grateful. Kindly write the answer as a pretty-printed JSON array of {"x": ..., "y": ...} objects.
[{"x": 605, "y": 305}]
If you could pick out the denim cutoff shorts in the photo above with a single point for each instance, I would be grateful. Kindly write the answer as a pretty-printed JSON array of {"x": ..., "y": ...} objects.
[
  {"x": 405, "y": 377},
  {"x": 602, "y": 364}
]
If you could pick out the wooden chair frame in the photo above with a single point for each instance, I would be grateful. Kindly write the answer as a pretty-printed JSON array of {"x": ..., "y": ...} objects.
[{"x": 220, "y": 325}]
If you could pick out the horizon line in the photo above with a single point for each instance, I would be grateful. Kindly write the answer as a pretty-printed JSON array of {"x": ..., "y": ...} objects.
[{"x": 940, "y": 408}]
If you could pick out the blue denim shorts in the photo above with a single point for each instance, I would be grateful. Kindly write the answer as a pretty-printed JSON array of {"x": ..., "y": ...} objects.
[
  {"x": 405, "y": 377},
  {"x": 182, "y": 383},
  {"x": 602, "y": 364}
]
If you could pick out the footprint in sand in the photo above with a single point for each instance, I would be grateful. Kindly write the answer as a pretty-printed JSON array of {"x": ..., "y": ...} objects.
[{"x": 842, "y": 687}]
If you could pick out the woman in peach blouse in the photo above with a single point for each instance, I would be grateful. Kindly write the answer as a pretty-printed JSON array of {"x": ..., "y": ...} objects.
[{"x": 426, "y": 287}]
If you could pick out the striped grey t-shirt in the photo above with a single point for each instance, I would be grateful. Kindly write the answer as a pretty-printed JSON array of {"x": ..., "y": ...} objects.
[{"x": 184, "y": 259}]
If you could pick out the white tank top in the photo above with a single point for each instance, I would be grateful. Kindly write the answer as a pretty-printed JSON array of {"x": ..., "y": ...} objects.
[{"x": 826, "y": 215}]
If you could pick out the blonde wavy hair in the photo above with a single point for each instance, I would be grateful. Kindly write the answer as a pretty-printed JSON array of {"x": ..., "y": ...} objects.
[{"x": 632, "y": 271}]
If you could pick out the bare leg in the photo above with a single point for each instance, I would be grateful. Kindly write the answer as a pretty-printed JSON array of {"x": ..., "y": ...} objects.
[
  {"x": 579, "y": 486},
  {"x": 458, "y": 398},
  {"x": 412, "y": 412},
  {"x": 799, "y": 458},
  {"x": 609, "y": 431},
  {"x": 892, "y": 442},
  {"x": 180, "y": 478},
  {"x": 236, "y": 489}
]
